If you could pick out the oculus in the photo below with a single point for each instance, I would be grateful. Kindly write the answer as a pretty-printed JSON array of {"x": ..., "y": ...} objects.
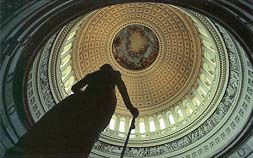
[{"x": 135, "y": 47}]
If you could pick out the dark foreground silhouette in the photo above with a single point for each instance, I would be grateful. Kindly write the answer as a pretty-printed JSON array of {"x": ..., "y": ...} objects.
[{"x": 71, "y": 128}]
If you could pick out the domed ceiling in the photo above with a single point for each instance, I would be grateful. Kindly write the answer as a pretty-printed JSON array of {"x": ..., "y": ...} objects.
[
  {"x": 183, "y": 71},
  {"x": 156, "y": 47},
  {"x": 168, "y": 58}
]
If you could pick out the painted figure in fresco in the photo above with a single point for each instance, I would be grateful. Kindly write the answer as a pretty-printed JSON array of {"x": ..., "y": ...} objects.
[{"x": 72, "y": 127}]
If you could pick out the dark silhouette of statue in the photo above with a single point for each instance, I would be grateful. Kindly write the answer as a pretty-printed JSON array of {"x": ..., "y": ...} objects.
[{"x": 71, "y": 128}]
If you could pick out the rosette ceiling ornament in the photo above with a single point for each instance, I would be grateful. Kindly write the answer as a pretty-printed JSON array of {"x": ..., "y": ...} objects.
[{"x": 156, "y": 47}]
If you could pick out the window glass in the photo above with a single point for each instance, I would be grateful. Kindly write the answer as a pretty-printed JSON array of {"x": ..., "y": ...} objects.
[
  {"x": 112, "y": 124},
  {"x": 171, "y": 119},
  {"x": 162, "y": 124},
  {"x": 180, "y": 113},
  {"x": 142, "y": 127},
  {"x": 122, "y": 125},
  {"x": 152, "y": 125}
]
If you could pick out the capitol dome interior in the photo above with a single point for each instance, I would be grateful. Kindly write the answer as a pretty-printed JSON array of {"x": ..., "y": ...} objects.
[{"x": 189, "y": 74}]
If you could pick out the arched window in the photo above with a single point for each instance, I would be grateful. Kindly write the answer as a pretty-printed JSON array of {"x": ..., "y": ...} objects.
[
  {"x": 66, "y": 71},
  {"x": 151, "y": 125},
  {"x": 202, "y": 32},
  {"x": 210, "y": 56},
  {"x": 69, "y": 83},
  {"x": 72, "y": 34},
  {"x": 112, "y": 123},
  {"x": 171, "y": 119},
  {"x": 122, "y": 124},
  {"x": 132, "y": 131},
  {"x": 205, "y": 80},
  {"x": 208, "y": 69},
  {"x": 208, "y": 45},
  {"x": 64, "y": 61},
  {"x": 162, "y": 123},
  {"x": 196, "y": 101},
  {"x": 142, "y": 126},
  {"x": 201, "y": 91},
  {"x": 180, "y": 112},
  {"x": 67, "y": 47},
  {"x": 188, "y": 109}
]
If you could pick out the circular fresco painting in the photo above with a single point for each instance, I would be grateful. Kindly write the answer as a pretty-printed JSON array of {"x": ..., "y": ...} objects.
[{"x": 135, "y": 47}]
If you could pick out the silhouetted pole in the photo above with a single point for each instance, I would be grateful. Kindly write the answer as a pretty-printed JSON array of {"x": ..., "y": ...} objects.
[{"x": 132, "y": 126}]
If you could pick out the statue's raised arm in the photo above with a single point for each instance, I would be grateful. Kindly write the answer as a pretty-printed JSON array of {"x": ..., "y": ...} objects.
[{"x": 123, "y": 91}]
